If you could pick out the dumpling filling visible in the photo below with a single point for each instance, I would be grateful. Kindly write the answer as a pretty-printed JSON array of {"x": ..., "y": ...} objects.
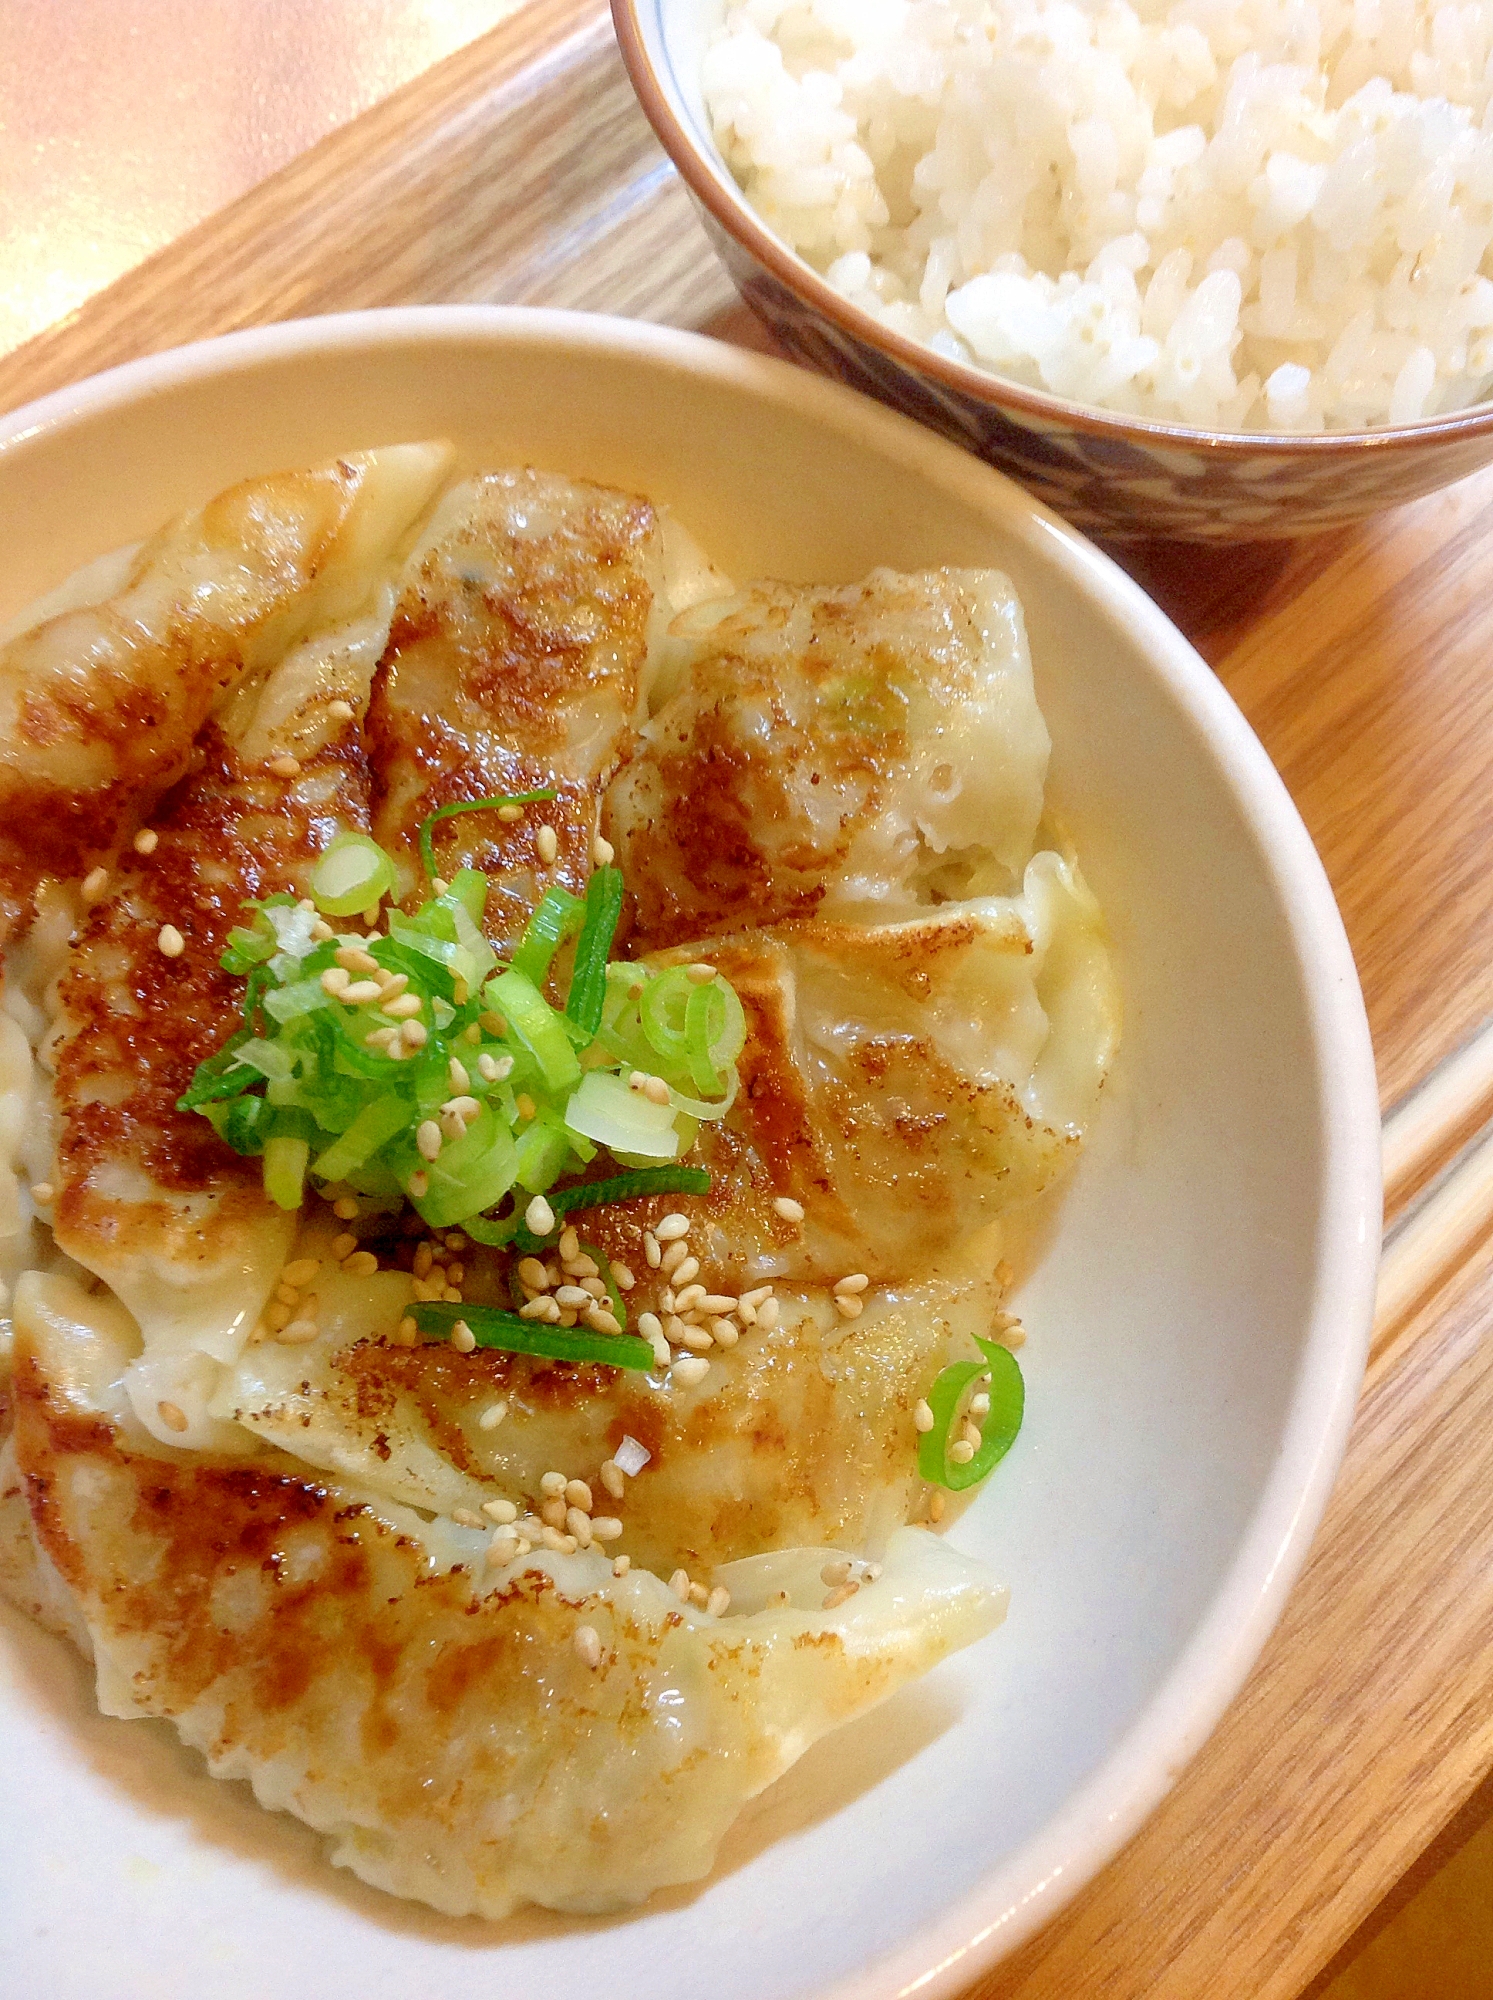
[{"x": 518, "y": 1083}]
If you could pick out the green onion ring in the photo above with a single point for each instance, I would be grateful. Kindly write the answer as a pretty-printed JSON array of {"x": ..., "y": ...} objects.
[{"x": 998, "y": 1432}]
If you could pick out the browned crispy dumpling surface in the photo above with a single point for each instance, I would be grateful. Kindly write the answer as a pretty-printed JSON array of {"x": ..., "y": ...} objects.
[{"x": 307, "y": 1553}]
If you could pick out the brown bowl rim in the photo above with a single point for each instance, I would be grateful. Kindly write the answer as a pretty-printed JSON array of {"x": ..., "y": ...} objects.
[{"x": 737, "y": 217}]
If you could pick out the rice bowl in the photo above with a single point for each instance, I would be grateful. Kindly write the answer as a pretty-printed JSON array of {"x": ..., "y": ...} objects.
[{"x": 1214, "y": 215}]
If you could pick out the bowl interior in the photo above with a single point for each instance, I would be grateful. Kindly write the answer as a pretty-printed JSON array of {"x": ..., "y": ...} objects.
[{"x": 1196, "y": 1325}]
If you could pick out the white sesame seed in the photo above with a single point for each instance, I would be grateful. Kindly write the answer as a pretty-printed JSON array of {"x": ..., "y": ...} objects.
[
  {"x": 679, "y": 1584},
  {"x": 979, "y": 1406},
  {"x": 671, "y": 1228},
  {"x": 835, "y": 1572},
  {"x": 841, "y": 1595},
  {"x": 691, "y": 1296},
  {"x": 465, "y": 1518},
  {"x": 719, "y": 1601},
  {"x": 553, "y": 1485},
  {"x": 43, "y": 1193},
  {"x": 173, "y": 1417},
  {"x": 402, "y": 1007},
  {"x": 503, "y": 1547},
  {"x": 510, "y": 814},
  {"x": 500, "y": 1510},
  {"x": 146, "y": 840},
  {"x": 487, "y": 1069},
  {"x": 767, "y": 1315},
  {"x": 413, "y": 1034},
  {"x": 961, "y": 1451},
  {"x": 725, "y": 1332},
  {"x": 547, "y": 845},
  {"x": 971, "y": 1435},
  {"x": 407, "y": 1334},
  {"x": 674, "y": 1256},
  {"x": 572, "y": 1295},
  {"x": 661, "y": 1355},
  {"x": 757, "y": 1296},
  {"x": 537, "y": 1308},
  {"x": 621, "y": 1565},
  {"x": 717, "y": 1302},
  {"x": 622, "y": 1276},
  {"x": 302, "y": 1271},
  {"x": 601, "y": 1321},
  {"x": 345, "y": 1208},
  {"x": 701, "y": 974},
  {"x": 462, "y": 1337},
  {"x": 849, "y": 1306},
  {"x": 922, "y": 1415},
  {"x": 606, "y": 1527},
  {"x": 935, "y": 1506},
  {"x": 539, "y": 1216},
  {"x": 656, "y": 1090},
  {"x": 698, "y": 1594},
  {"x": 552, "y": 1538},
  {"x": 284, "y": 767},
  {"x": 856, "y": 1282},
  {"x": 340, "y": 711},
  {"x": 697, "y": 1339},
  {"x": 611, "y": 1478},
  {"x": 569, "y": 1244},
  {"x": 788, "y": 1208},
  {"x": 321, "y": 931},
  {"x": 428, "y": 1139},
  {"x": 95, "y": 882},
  {"x": 170, "y": 941},
  {"x": 588, "y": 1645},
  {"x": 419, "y": 1184},
  {"x": 457, "y": 1070},
  {"x": 335, "y": 981},
  {"x": 441, "y": 887},
  {"x": 359, "y": 993},
  {"x": 603, "y": 854},
  {"x": 578, "y": 1523},
  {"x": 361, "y": 1264},
  {"x": 651, "y": 1251},
  {"x": 578, "y": 1494},
  {"x": 691, "y": 1370},
  {"x": 533, "y": 1274}
]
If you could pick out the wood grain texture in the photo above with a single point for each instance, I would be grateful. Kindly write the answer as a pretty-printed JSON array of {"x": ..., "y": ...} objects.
[
  {"x": 520, "y": 170},
  {"x": 1365, "y": 1725}
]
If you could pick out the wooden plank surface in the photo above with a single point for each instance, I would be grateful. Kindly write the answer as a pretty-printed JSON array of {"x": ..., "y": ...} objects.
[{"x": 520, "y": 170}]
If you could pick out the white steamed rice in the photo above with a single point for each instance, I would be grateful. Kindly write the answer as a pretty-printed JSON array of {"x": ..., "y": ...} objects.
[{"x": 1240, "y": 214}]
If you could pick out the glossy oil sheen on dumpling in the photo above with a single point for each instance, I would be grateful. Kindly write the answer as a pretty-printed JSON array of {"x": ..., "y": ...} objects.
[
  {"x": 362, "y": 1669},
  {"x": 853, "y": 751},
  {"x": 100, "y": 703},
  {"x": 930, "y": 1014}
]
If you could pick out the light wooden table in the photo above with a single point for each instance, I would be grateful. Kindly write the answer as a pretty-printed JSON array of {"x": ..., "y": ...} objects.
[{"x": 520, "y": 170}]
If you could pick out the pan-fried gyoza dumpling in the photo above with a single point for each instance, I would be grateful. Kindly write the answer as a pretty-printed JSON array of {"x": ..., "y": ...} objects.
[
  {"x": 100, "y": 703},
  {"x": 478, "y": 1736},
  {"x": 853, "y": 752},
  {"x": 909, "y": 1083},
  {"x": 516, "y": 663},
  {"x": 510, "y": 1627}
]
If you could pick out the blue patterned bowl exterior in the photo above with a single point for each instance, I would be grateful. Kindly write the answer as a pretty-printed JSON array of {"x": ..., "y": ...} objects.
[{"x": 1108, "y": 475}]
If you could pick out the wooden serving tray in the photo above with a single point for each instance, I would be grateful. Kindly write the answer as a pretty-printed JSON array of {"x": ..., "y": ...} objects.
[{"x": 521, "y": 171}]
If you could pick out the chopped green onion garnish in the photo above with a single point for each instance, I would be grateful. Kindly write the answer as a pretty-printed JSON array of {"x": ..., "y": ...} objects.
[
  {"x": 588, "y": 982},
  {"x": 428, "y": 826},
  {"x": 492, "y": 1327},
  {"x": 445, "y": 1077},
  {"x": 998, "y": 1430},
  {"x": 557, "y": 916},
  {"x": 353, "y": 874},
  {"x": 618, "y": 1187}
]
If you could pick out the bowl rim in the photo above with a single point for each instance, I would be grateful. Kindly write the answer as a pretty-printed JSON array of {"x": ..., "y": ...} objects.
[
  {"x": 973, "y": 1932},
  {"x": 727, "y": 203}
]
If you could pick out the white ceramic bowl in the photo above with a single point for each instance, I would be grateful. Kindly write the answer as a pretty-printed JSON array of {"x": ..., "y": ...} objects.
[{"x": 1198, "y": 1326}]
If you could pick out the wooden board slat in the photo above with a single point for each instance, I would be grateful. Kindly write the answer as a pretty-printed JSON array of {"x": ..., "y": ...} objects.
[{"x": 520, "y": 170}]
